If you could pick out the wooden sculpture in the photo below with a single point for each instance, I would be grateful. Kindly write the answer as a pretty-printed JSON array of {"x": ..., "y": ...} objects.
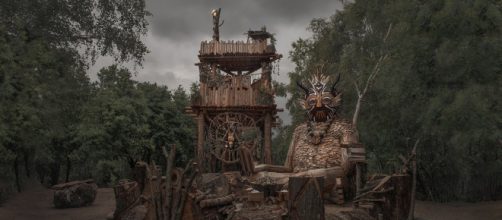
[{"x": 325, "y": 145}]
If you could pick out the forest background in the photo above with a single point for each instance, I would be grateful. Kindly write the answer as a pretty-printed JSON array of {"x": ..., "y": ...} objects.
[{"x": 437, "y": 67}]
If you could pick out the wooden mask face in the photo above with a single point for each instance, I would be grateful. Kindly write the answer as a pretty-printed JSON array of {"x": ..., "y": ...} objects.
[{"x": 320, "y": 102}]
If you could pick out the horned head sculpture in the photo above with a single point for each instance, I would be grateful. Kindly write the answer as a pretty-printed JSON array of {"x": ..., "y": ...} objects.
[{"x": 320, "y": 101}]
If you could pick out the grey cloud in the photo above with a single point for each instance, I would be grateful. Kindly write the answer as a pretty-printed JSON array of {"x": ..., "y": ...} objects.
[
  {"x": 182, "y": 19},
  {"x": 177, "y": 27}
]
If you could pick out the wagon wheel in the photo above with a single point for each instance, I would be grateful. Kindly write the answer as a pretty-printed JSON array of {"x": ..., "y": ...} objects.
[{"x": 228, "y": 133}]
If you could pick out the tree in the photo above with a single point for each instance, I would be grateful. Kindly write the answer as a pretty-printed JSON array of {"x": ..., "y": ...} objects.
[
  {"x": 114, "y": 124},
  {"x": 42, "y": 72},
  {"x": 440, "y": 83},
  {"x": 106, "y": 27},
  {"x": 167, "y": 122}
]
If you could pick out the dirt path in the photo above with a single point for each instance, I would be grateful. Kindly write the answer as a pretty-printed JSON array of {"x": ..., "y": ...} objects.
[
  {"x": 458, "y": 211},
  {"x": 36, "y": 203}
]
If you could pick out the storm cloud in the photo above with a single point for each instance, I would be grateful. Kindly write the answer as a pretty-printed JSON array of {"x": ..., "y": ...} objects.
[{"x": 178, "y": 26}]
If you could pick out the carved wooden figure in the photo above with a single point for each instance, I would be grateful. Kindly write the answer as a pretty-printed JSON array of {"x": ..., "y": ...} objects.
[{"x": 324, "y": 146}]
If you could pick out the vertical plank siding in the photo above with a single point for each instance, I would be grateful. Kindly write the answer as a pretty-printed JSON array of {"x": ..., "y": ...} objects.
[{"x": 232, "y": 47}]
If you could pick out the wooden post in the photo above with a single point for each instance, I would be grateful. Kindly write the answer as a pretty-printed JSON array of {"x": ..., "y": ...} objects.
[
  {"x": 411, "y": 214},
  {"x": 169, "y": 169},
  {"x": 200, "y": 137},
  {"x": 267, "y": 139},
  {"x": 305, "y": 198},
  {"x": 358, "y": 179}
]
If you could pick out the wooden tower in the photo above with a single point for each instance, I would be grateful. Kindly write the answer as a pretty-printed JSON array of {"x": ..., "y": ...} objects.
[{"x": 235, "y": 108}]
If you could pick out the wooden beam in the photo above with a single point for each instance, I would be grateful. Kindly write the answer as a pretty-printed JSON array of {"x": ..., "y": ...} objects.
[
  {"x": 200, "y": 137},
  {"x": 267, "y": 138}
]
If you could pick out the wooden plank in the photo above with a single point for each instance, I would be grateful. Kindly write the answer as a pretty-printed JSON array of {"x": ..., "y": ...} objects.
[
  {"x": 267, "y": 139},
  {"x": 305, "y": 198},
  {"x": 357, "y": 150}
]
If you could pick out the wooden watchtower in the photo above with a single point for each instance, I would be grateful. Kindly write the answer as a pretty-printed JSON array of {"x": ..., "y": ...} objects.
[{"x": 235, "y": 107}]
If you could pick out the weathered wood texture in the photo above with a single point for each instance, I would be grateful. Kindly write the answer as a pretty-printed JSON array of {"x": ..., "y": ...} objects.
[
  {"x": 229, "y": 91},
  {"x": 228, "y": 85},
  {"x": 305, "y": 198},
  {"x": 389, "y": 197},
  {"x": 74, "y": 194},
  {"x": 168, "y": 191},
  {"x": 234, "y": 48},
  {"x": 267, "y": 139},
  {"x": 127, "y": 195},
  {"x": 200, "y": 137}
]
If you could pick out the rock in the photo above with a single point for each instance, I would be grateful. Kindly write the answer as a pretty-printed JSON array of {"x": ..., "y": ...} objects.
[{"x": 74, "y": 194}]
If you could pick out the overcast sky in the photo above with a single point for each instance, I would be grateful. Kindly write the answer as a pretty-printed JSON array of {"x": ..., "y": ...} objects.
[{"x": 178, "y": 26}]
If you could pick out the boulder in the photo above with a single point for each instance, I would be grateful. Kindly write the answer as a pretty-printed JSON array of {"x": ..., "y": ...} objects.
[{"x": 74, "y": 194}]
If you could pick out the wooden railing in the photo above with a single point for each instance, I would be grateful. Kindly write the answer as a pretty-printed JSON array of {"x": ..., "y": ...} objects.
[
  {"x": 231, "y": 47},
  {"x": 231, "y": 92}
]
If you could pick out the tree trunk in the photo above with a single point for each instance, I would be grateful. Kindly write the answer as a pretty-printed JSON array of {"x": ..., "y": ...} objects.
[
  {"x": 55, "y": 169},
  {"x": 27, "y": 164},
  {"x": 16, "y": 173},
  {"x": 131, "y": 162},
  {"x": 68, "y": 169}
]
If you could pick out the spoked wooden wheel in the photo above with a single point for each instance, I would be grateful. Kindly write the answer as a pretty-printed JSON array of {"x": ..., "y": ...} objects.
[{"x": 228, "y": 133}]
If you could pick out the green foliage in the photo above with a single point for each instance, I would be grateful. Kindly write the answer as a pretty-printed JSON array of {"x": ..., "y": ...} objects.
[
  {"x": 441, "y": 83},
  {"x": 102, "y": 27},
  {"x": 108, "y": 172},
  {"x": 57, "y": 124},
  {"x": 195, "y": 93},
  {"x": 130, "y": 121},
  {"x": 279, "y": 88},
  {"x": 281, "y": 142},
  {"x": 114, "y": 122}
]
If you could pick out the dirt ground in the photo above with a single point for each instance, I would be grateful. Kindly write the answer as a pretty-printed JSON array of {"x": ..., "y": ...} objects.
[
  {"x": 458, "y": 211},
  {"x": 36, "y": 203}
]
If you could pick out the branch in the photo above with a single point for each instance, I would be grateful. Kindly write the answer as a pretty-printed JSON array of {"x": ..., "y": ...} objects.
[
  {"x": 388, "y": 33},
  {"x": 370, "y": 80},
  {"x": 357, "y": 88}
]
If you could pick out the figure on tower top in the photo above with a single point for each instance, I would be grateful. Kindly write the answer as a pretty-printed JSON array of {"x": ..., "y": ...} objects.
[{"x": 216, "y": 23}]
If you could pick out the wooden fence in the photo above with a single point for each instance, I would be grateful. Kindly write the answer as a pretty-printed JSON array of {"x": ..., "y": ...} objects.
[
  {"x": 233, "y": 91},
  {"x": 232, "y": 47}
]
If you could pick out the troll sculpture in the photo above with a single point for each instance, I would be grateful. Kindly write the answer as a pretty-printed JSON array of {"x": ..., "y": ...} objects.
[{"x": 320, "y": 146}]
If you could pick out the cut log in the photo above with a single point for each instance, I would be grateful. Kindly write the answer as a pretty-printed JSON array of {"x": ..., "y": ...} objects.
[{"x": 74, "y": 194}]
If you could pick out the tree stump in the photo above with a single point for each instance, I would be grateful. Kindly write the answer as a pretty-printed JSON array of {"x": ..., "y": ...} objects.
[{"x": 305, "y": 198}]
